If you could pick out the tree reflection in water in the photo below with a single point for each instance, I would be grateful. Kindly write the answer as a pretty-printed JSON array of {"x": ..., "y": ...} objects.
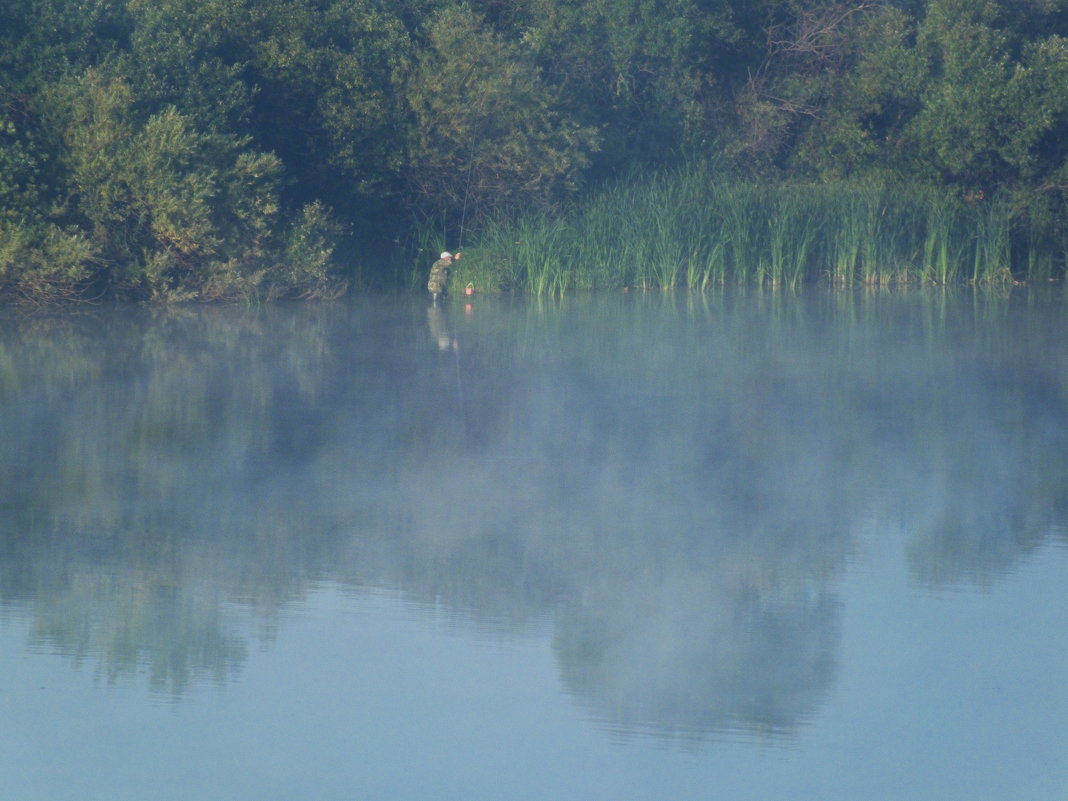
[{"x": 676, "y": 482}]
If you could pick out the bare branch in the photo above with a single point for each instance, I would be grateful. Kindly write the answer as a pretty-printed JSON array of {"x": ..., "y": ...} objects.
[{"x": 813, "y": 31}]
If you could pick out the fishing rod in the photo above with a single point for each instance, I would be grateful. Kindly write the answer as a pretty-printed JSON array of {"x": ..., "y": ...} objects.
[{"x": 467, "y": 191}]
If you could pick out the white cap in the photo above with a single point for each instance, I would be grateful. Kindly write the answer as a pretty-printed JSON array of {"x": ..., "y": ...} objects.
[{"x": 446, "y": 255}]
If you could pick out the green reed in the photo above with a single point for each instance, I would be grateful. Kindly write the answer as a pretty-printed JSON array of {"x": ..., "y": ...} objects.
[
  {"x": 993, "y": 242},
  {"x": 1039, "y": 243},
  {"x": 789, "y": 234},
  {"x": 843, "y": 233},
  {"x": 700, "y": 228},
  {"x": 1041, "y": 256},
  {"x": 877, "y": 246},
  {"x": 940, "y": 257}
]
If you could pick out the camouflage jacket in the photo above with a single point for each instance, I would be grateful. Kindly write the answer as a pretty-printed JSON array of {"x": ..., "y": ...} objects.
[{"x": 439, "y": 277}]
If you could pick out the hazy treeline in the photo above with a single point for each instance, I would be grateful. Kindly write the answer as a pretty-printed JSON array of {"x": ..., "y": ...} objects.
[{"x": 222, "y": 148}]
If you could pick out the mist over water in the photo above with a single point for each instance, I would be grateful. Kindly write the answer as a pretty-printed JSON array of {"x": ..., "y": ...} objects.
[{"x": 641, "y": 538}]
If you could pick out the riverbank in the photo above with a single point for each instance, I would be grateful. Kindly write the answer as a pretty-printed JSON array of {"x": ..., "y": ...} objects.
[{"x": 698, "y": 228}]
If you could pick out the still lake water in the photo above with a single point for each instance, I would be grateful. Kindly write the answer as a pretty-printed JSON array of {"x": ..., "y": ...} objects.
[{"x": 729, "y": 546}]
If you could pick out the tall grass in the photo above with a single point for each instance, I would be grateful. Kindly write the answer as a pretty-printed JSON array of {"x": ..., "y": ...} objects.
[
  {"x": 791, "y": 231},
  {"x": 993, "y": 242},
  {"x": 700, "y": 228}
]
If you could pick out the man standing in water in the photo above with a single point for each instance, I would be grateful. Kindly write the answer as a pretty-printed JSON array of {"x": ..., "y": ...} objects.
[{"x": 438, "y": 283}]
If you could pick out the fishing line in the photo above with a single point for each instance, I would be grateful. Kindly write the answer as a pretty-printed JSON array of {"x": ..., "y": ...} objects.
[
  {"x": 467, "y": 189},
  {"x": 460, "y": 392}
]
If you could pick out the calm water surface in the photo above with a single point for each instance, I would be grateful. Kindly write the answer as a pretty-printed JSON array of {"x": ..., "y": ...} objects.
[{"x": 733, "y": 546}]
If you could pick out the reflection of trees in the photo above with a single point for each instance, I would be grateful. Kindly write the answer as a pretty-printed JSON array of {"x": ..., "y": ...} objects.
[
  {"x": 671, "y": 483},
  {"x": 694, "y": 526},
  {"x": 977, "y": 434},
  {"x": 686, "y": 656},
  {"x": 698, "y": 524},
  {"x": 149, "y": 478},
  {"x": 999, "y": 472},
  {"x": 172, "y": 627}
]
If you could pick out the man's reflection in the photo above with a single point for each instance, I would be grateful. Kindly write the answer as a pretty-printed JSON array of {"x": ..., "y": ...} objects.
[{"x": 439, "y": 329}]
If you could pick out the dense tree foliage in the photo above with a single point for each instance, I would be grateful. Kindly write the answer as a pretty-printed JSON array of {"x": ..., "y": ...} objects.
[
  {"x": 224, "y": 148},
  {"x": 485, "y": 132}
]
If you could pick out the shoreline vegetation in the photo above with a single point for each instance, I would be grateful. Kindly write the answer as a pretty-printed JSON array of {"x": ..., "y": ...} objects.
[
  {"x": 691, "y": 227},
  {"x": 697, "y": 229},
  {"x": 171, "y": 151}
]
